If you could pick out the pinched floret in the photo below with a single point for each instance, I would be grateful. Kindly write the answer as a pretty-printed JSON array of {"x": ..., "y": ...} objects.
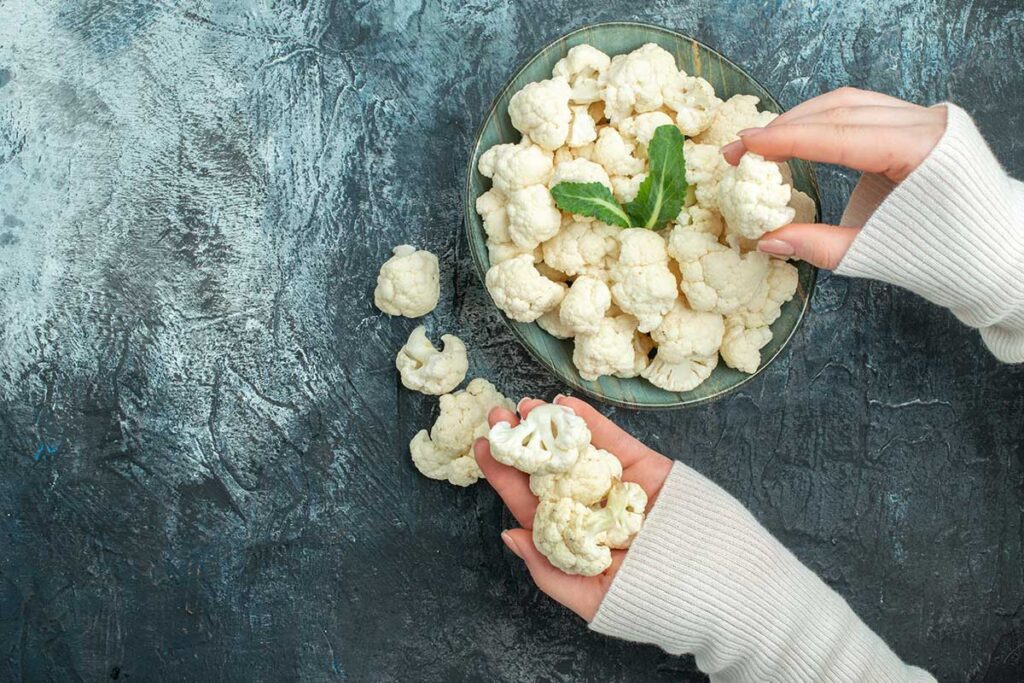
[
  {"x": 640, "y": 128},
  {"x": 684, "y": 333},
  {"x": 520, "y": 290},
  {"x": 741, "y": 346},
  {"x": 588, "y": 481},
  {"x": 582, "y": 67},
  {"x": 698, "y": 219},
  {"x": 608, "y": 351},
  {"x": 804, "y": 208},
  {"x": 409, "y": 283},
  {"x": 633, "y": 82},
  {"x": 549, "y": 439},
  {"x": 643, "y": 284},
  {"x": 583, "y": 248},
  {"x": 714, "y": 277},
  {"x": 752, "y": 197},
  {"x": 582, "y": 127},
  {"x": 513, "y": 167},
  {"x": 541, "y": 111},
  {"x": 579, "y": 171},
  {"x": 551, "y": 322},
  {"x": 684, "y": 375},
  {"x": 584, "y": 305},
  {"x": 425, "y": 369},
  {"x": 735, "y": 114},
  {"x": 491, "y": 206},
  {"x": 705, "y": 167},
  {"x": 446, "y": 451},
  {"x": 532, "y": 216},
  {"x": 616, "y": 154},
  {"x": 693, "y": 100},
  {"x": 625, "y": 188}
]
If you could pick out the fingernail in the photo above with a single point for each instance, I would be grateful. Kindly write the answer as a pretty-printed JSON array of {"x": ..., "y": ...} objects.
[
  {"x": 510, "y": 544},
  {"x": 559, "y": 397},
  {"x": 750, "y": 132},
  {"x": 519, "y": 406},
  {"x": 734, "y": 145},
  {"x": 776, "y": 247}
]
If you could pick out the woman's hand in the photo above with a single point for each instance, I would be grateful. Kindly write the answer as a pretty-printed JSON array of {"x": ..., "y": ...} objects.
[
  {"x": 860, "y": 129},
  {"x": 581, "y": 594}
]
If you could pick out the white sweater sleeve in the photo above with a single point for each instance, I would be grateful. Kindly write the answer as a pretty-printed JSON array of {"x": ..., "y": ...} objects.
[
  {"x": 953, "y": 232},
  {"x": 704, "y": 578}
]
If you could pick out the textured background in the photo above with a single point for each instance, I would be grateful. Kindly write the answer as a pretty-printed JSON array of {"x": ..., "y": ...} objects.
[{"x": 203, "y": 445}]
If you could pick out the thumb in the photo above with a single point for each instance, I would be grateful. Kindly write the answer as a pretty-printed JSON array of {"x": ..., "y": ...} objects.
[{"x": 820, "y": 245}]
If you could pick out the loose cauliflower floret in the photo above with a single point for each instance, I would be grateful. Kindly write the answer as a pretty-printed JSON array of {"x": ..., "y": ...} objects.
[
  {"x": 746, "y": 330},
  {"x": 549, "y": 439},
  {"x": 513, "y": 167},
  {"x": 625, "y": 188},
  {"x": 491, "y": 206},
  {"x": 499, "y": 252},
  {"x": 735, "y": 114},
  {"x": 685, "y": 375},
  {"x": 585, "y": 305},
  {"x": 520, "y": 291},
  {"x": 609, "y": 351},
  {"x": 582, "y": 128},
  {"x": 643, "y": 285},
  {"x": 622, "y": 515},
  {"x": 616, "y": 154},
  {"x": 714, "y": 277},
  {"x": 582, "y": 67},
  {"x": 685, "y": 332},
  {"x": 640, "y": 129},
  {"x": 409, "y": 283},
  {"x": 579, "y": 171},
  {"x": 588, "y": 481},
  {"x": 446, "y": 452},
  {"x": 583, "y": 248},
  {"x": 705, "y": 167},
  {"x": 541, "y": 111},
  {"x": 634, "y": 82},
  {"x": 804, "y": 208},
  {"x": 425, "y": 369},
  {"x": 532, "y": 216},
  {"x": 698, "y": 219},
  {"x": 741, "y": 346},
  {"x": 551, "y": 322},
  {"x": 694, "y": 102},
  {"x": 753, "y": 198}
]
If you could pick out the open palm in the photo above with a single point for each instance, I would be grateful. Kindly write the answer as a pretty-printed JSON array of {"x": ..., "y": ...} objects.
[{"x": 640, "y": 464}]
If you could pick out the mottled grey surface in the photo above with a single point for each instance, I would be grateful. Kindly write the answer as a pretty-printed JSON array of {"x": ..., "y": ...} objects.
[{"x": 203, "y": 444}]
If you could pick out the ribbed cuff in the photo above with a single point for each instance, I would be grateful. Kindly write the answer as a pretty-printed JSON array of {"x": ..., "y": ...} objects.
[
  {"x": 703, "y": 577},
  {"x": 953, "y": 232}
]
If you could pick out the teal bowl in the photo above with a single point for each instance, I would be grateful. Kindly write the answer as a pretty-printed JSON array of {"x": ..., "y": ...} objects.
[{"x": 728, "y": 79}]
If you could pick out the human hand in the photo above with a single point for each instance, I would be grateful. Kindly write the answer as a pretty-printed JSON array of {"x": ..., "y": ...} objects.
[
  {"x": 640, "y": 464},
  {"x": 863, "y": 130}
]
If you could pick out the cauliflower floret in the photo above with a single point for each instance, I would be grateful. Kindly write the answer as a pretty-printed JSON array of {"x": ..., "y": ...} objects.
[
  {"x": 532, "y": 216},
  {"x": 694, "y": 102},
  {"x": 579, "y": 171},
  {"x": 735, "y": 114},
  {"x": 582, "y": 128},
  {"x": 752, "y": 197},
  {"x": 499, "y": 252},
  {"x": 584, "y": 305},
  {"x": 616, "y": 154},
  {"x": 520, "y": 291},
  {"x": 746, "y": 330},
  {"x": 609, "y": 351},
  {"x": 642, "y": 347},
  {"x": 622, "y": 515},
  {"x": 562, "y": 154},
  {"x": 640, "y": 129},
  {"x": 685, "y": 332},
  {"x": 804, "y": 208},
  {"x": 698, "y": 219},
  {"x": 446, "y": 452},
  {"x": 588, "y": 481},
  {"x": 685, "y": 375},
  {"x": 741, "y": 346},
  {"x": 549, "y": 439},
  {"x": 513, "y": 167},
  {"x": 643, "y": 285},
  {"x": 409, "y": 283},
  {"x": 491, "y": 206},
  {"x": 634, "y": 82},
  {"x": 705, "y": 166},
  {"x": 625, "y": 188},
  {"x": 541, "y": 111},
  {"x": 582, "y": 67},
  {"x": 714, "y": 277},
  {"x": 551, "y": 322},
  {"x": 583, "y": 248},
  {"x": 425, "y": 369}
]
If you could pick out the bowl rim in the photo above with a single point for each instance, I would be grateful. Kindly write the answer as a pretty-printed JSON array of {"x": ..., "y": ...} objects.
[{"x": 481, "y": 268}]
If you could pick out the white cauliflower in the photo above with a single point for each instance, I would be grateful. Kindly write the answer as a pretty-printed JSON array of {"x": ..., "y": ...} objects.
[
  {"x": 694, "y": 102},
  {"x": 409, "y": 283},
  {"x": 551, "y": 322},
  {"x": 583, "y": 248},
  {"x": 582, "y": 67},
  {"x": 513, "y": 167},
  {"x": 643, "y": 285},
  {"x": 587, "y": 481},
  {"x": 684, "y": 333},
  {"x": 491, "y": 206},
  {"x": 640, "y": 128},
  {"x": 752, "y": 197},
  {"x": 585, "y": 305},
  {"x": 579, "y": 171},
  {"x": 634, "y": 82},
  {"x": 499, "y": 252},
  {"x": 625, "y": 188},
  {"x": 705, "y": 167},
  {"x": 446, "y": 452},
  {"x": 684, "y": 375},
  {"x": 747, "y": 330},
  {"x": 714, "y": 277},
  {"x": 541, "y": 111},
  {"x": 425, "y": 369},
  {"x": 741, "y": 346},
  {"x": 608, "y": 351},
  {"x": 642, "y": 347},
  {"x": 582, "y": 127},
  {"x": 520, "y": 291},
  {"x": 698, "y": 219},
  {"x": 562, "y": 154},
  {"x": 616, "y": 154},
  {"x": 732, "y": 116},
  {"x": 584, "y": 152},
  {"x": 549, "y": 439},
  {"x": 804, "y": 208},
  {"x": 532, "y": 216}
]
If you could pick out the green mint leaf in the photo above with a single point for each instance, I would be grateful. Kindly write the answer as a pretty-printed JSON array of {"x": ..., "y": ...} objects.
[
  {"x": 661, "y": 194},
  {"x": 590, "y": 199}
]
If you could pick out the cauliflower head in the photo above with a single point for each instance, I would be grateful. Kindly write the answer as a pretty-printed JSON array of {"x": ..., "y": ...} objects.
[
  {"x": 583, "y": 67},
  {"x": 608, "y": 351},
  {"x": 585, "y": 305},
  {"x": 425, "y": 369},
  {"x": 694, "y": 102},
  {"x": 491, "y": 206},
  {"x": 583, "y": 248},
  {"x": 582, "y": 128},
  {"x": 532, "y": 216},
  {"x": 549, "y": 439},
  {"x": 741, "y": 346},
  {"x": 634, "y": 82},
  {"x": 625, "y": 187},
  {"x": 409, "y": 283},
  {"x": 616, "y": 154},
  {"x": 684, "y": 333},
  {"x": 499, "y": 252},
  {"x": 520, "y": 290},
  {"x": 541, "y": 111},
  {"x": 684, "y": 375},
  {"x": 588, "y": 481},
  {"x": 716, "y": 278},
  {"x": 640, "y": 128},
  {"x": 579, "y": 171},
  {"x": 732, "y": 116},
  {"x": 643, "y": 285},
  {"x": 513, "y": 167},
  {"x": 752, "y": 197},
  {"x": 747, "y": 330},
  {"x": 551, "y": 322},
  {"x": 705, "y": 167}
]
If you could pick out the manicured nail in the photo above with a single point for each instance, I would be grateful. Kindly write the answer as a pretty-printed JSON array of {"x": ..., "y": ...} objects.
[
  {"x": 559, "y": 397},
  {"x": 519, "y": 406},
  {"x": 776, "y": 247},
  {"x": 507, "y": 538},
  {"x": 734, "y": 146},
  {"x": 750, "y": 132}
]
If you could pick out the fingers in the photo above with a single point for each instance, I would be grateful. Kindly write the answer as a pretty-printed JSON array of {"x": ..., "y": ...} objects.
[
  {"x": 512, "y": 485},
  {"x": 502, "y": 415},
  {"x": 820, "y": 245},
  {"x": 607, "y": 435},
  {"x": 842, "y": 97},
  {"x": 869, "y": 116}
]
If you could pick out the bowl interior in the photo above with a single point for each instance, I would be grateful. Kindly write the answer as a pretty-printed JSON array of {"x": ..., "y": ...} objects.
[{"x": 727, "y": 79}]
